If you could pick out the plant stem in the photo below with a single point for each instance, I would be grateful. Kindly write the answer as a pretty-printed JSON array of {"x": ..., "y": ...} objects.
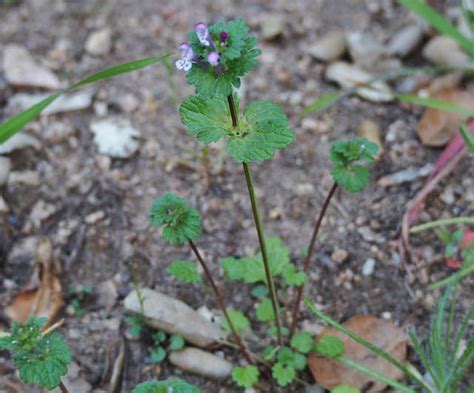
[
  {"x": 309, "y": 254},
  {"x": 220, "y": 301},
  {"x": 259, "y": 227},
  {"x": 263, "y": 248},
  {"x": 444, "y": 221},
  {"x": 63, "y": 387}
]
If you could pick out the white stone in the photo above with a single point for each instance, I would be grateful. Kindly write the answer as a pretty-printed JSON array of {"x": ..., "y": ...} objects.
[
  {"x": 66, "y": 103},
  {"x": 329, "y": 47},
  {"x": 23, "y": 71},
  {"x": 200, "y": 362},
  {"x": 115, "y": 137},
  {"x": 173, "y": 316},
  {"x": 445, "y": 51},
  {"x": 364, "y": 49},
  {"x": 351, "y": 76},
  {"x": 368, "y": 267},
  {"x": 19, "y": 141},
  {"x": 99, "y": 42},
  {"x": 405, "y": 40},
  {"x": 27, "y": 178},
  {"x": 5, "y": 167}
]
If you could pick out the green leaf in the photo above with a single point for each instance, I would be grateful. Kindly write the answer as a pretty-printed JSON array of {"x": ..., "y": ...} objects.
[
  {"x": 171, "y": 385},
  {"x": 157, "y": 355},
  {"x": 176, "y": 343},
  {"x": 259, "y": 291},
  {"x": 269, "y": 353},
  {"x": 349, "y": 159},
  {"x": 159, "y": 337},
  {"x": 330, "y": 346},
  {"x": 245, "y": 377},
  {"x": 436, "y": 104},
  {"x": 262, "y": 128},
  {"x": 290, "y": 358},
  {"x": 468, "y": 137},
  {"x": 135, "y": 325},
  {"x": 264, "y": 311},
  {"x": 180, "y": 222},
  {"x": 292, "y": 277},
  {"x": 345, "y": 389},
  {"x": 17, "y": 122},
  {"x": 239, "y": 320},
  {"x": 184, "y": 271},
  {"x": 251, "y": 270},
  {"x": 283, "y": 374},
  {"x": 440, "y": 23},
  {"x": 302, "y": 342},
  {"x": 272, "y": 331}
]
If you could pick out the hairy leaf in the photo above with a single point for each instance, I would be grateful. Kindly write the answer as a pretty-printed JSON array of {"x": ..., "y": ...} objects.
[
  {"x": 239, "y": 320},
  {"x": 171, "y": 385},
  {"x": 293, "y": 277},
  {"x": 330, "y": 346},
  {"x": 283, "y": 374},
  {"x": 264, "y": 311},
  {"x": 184, "y": 271},
  {"x": 245, "y": 377},
  {"x": 302, "y": 342}
]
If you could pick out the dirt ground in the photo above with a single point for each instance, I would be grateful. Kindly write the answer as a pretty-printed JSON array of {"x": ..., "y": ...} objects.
[{"x": 76, "y": 181}]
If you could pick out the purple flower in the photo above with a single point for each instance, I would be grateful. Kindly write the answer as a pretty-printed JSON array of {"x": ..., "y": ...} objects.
[
  {"x": 213, "y": 58},
  {"x": 224, "y": 36},
  {"x": 187, "y": 55},
  {"x": 203, "y": 34}
]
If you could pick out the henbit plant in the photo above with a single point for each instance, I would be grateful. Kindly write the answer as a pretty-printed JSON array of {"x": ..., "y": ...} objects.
[
  {"x": 444, "y": 358},
  {"x": 160, "y": 349},
  {"x": 214, "y": 60},
  {"x": 79, "y": 294}
]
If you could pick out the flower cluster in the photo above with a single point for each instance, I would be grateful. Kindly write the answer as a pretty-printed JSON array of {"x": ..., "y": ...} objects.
[{"x": 188, "y": 57}]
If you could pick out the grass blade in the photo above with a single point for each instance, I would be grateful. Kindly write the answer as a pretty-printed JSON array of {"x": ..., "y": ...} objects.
[
  {"x": 118, "y": 70},
  {"x": 441, "y": 222},
  {"x": 462, "y": 330},
  {"x": 439, "y": 22},
  {"x": 468, "y": 137},
  {"x": 17, "y": 122},
  {"x": 323, "y": 102},
  {"x": 458, "y": 276},
  {"x": 436, "y": 104},
  {"x": 422, "y": 355}
]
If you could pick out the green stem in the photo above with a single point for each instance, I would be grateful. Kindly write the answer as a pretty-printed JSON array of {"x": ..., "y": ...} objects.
[
  {"x": 459, "y": 275},
  {"x": 444, "y": 221},
  {"x": 374, "y": 374},
  {"x": 365, "y": 343},
  {"x": 263, "y": 248}
]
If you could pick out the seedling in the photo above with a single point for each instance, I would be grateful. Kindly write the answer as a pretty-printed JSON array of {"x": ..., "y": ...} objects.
[
  {"x": 163, "y": 345},
  {"x": 78, "y": 294}
]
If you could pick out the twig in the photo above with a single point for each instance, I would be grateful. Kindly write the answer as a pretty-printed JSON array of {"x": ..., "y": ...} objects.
[{"x": 63, "y": 387}]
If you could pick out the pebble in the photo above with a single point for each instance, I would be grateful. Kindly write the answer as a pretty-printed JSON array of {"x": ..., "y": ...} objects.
[
  {"x": 313, "y": 125},
  {"x": 272, "y": 27},
  {"x": 371, "y": 130},
  {"x": 99, "y": 42},
  {"x": 22, "y": 70},
  {"x": 339, "y": 255},
  {"x": 19, "y": 141},
  {"x": 174, "y": 317},
  {"x": 368, "y": 267},
  {"x": 41, "y": 211},
  {"x": 405, "y": 40},
  {"x": 369, "y": 235},
  {"x": 75, "y": 381},
  {"x": 27, "y": 178},
  {"x": 115, "y": 137},
  {"x": 351, "y": 76},
  {"x": 66, "y": 103},
  {"x": 445, "y": 51},
  {"x": 5, "y": 167},
  {"x": 364, "y": 49},
  {"x": 3, "y": 206},
  {"x": 200, "y": 362},
  {"x": 94, "y": 218},
  {"x": 329, "y": 47},
  {"x": 304, "y": 189}
]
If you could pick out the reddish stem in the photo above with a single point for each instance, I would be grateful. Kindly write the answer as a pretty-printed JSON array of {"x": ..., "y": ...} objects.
[
  {"x": 300, "y": 290},
  {"x": 63, "y": 387}
]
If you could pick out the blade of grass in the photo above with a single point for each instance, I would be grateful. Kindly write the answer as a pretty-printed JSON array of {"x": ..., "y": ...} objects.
[
  {"x": 323, "y": 102},
  {"x": 365, "y": 343},
  {"x": 422, "y": 354},
  {"x": 17, "y": 122},
  {"x": 439, "y": 22},
  {"x": 436, "y": 104},
  {"x": 462, "y": 330},
  {"x": 458, "y": 276},
  {"x": 442, "y": 222},
  {"x": 461, "y": 366},
  {"x": 468, "y": 137}
]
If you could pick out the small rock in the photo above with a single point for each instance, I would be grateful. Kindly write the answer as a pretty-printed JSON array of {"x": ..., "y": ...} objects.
[
  {"x": 368, "y": 267},
  {"x": 107, "y": 294},
  {"x": 22, "y": 70},
  {"x": 95, "y": 217},
  {"x": 370, "y": 236},
  {"x": 99, "y": 42},
  {"x": 447, "y": 196},
  {"x": 67, "y": 103},
  {"x": 115, "y": 138},
  {"x": 75, "y": 381},
  {"x": 364, "y": 49},
  {"x": 200, "y": 362},
  {"x": 351, "y": 76},
  {"x": 272, "y": 27},
  {"x": 27, "y": 178},
  {"x": 3, "y": 206},
  {"x": 19, "y": 141},
  {"x": 174, "y": 316},
  {"x": 405, "y": 40},
  {"x": 313, "y": 125},
  {"x": 304, "y": 189},
  {"x": 23, "y": 250},
  {"x": 5, "y": 167},
  {"x": 339, "y": 255},
  {"x": 406, "y": 175},
  {"x": 40, "y": 212},
  {"x": 128, "y": 103},
  {"x": 371, "y": 130},
  {"x": 445, "y": 51},
  {"x": 329, "y": 47}
]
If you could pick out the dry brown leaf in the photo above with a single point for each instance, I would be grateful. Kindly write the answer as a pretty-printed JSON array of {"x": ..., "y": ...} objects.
[
  {"x": 384, "y": 334},
  {"x": 437, "y": 127},
  {"x": 42, "y": 296}
]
